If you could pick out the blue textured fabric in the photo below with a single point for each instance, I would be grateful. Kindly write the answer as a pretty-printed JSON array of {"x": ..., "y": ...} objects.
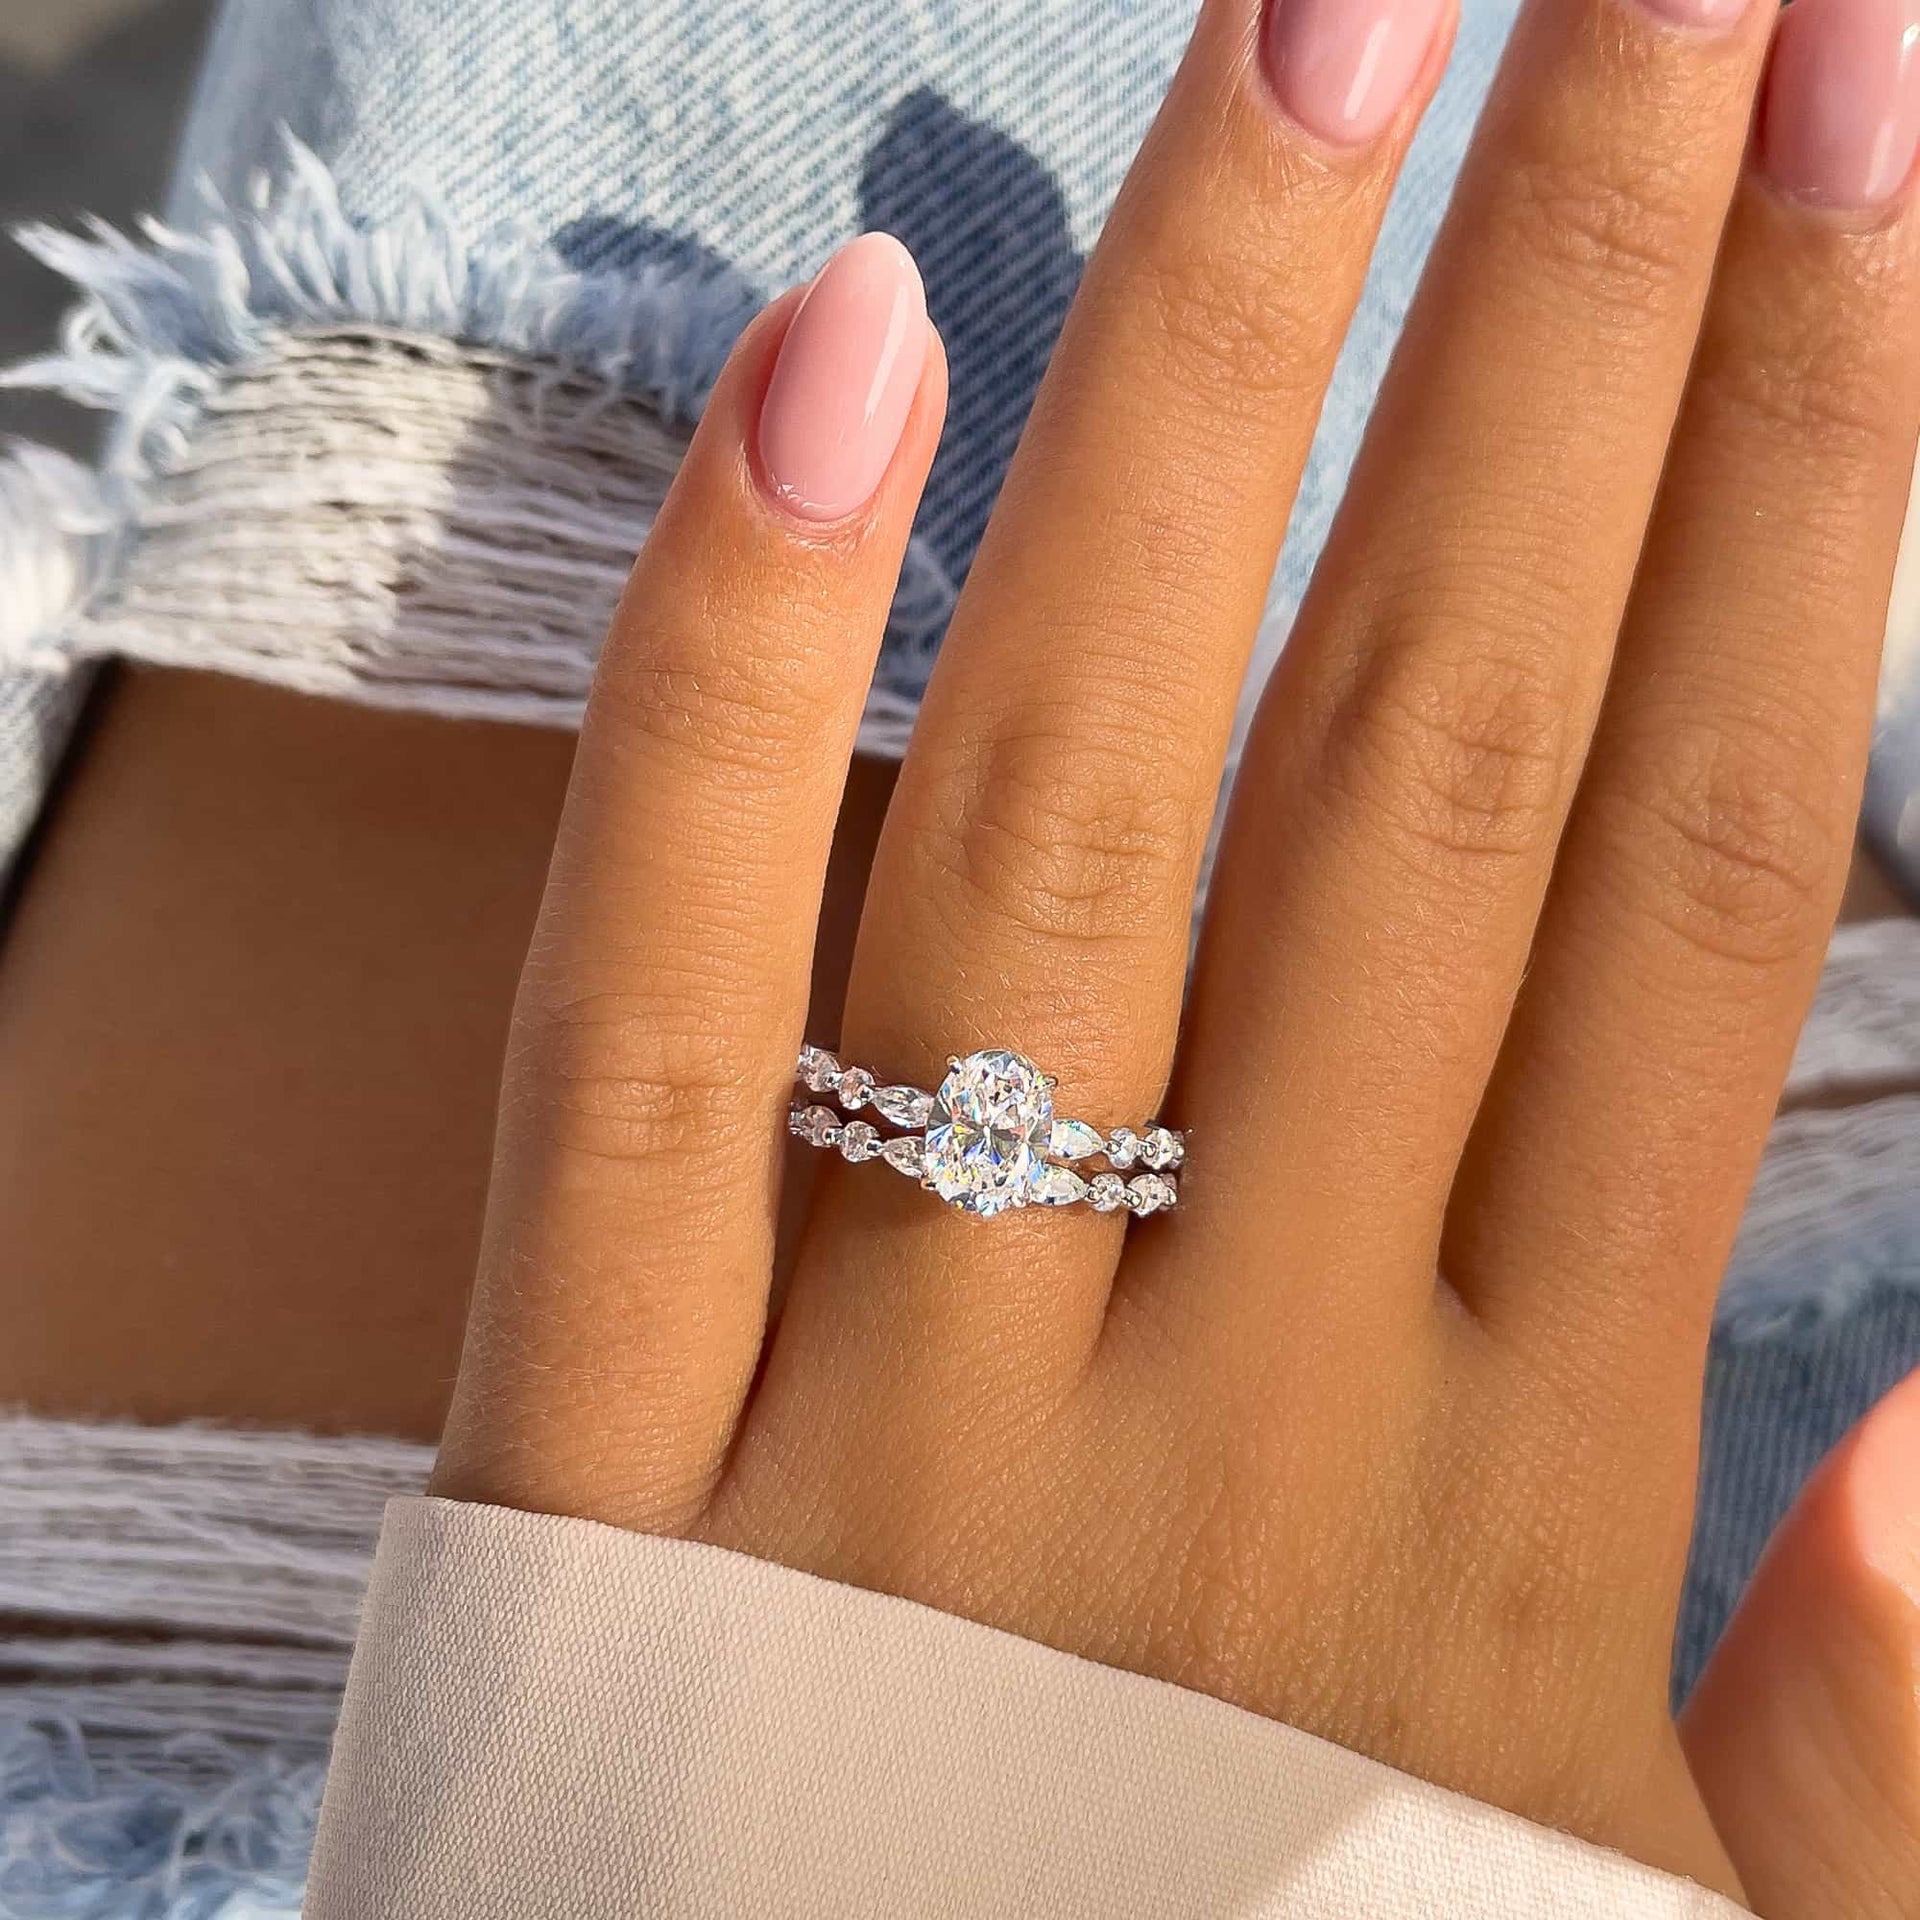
[
  {"x": 1774, "y": 1407},
  {"x": 748, "y": 141},
  {"x": 225, "y": 1836}
]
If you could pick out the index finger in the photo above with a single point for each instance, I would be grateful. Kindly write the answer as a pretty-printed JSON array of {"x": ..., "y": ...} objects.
[{"x": 624, "y": 1271}]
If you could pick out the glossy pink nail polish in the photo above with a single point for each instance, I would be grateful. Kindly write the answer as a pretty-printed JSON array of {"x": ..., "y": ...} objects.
[
  {"x": 1840, "y": 122},
  {"x": 1703, "y": 16},
  {"x": 845, "y": 380},
  {"x": 1344, "y": 68}
]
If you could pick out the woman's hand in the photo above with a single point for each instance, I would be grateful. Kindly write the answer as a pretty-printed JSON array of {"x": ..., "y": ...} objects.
[{"x": 1389, "y": 1430}]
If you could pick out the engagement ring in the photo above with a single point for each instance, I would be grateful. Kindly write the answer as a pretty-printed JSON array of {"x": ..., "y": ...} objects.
[{"x": 988, "y": 1138}]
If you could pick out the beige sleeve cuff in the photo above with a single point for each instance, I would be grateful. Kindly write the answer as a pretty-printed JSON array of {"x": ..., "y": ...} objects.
[{"x": 552, "y": 1718}]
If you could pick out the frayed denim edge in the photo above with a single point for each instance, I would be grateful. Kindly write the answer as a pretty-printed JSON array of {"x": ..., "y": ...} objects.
[
  {"x": 224, "y": 1834},
  {"x": 57, "y": 520},
  {"x": 161, "y": 322}
]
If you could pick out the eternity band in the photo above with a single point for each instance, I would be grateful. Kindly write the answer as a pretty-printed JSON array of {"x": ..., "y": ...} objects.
[{"x": 987, "y": 1138}]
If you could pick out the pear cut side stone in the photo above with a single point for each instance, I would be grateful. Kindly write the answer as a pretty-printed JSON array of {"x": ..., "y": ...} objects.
[
  {"x": 991, "y": 1120},
  {"x": 1057, "y": 1187},
  {"x": 1075, "y": 1140},
  {"x": 903, "y": 1155}
]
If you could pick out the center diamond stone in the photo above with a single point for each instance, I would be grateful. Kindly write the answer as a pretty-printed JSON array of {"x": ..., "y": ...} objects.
[{"x": 991, "y": 1121}]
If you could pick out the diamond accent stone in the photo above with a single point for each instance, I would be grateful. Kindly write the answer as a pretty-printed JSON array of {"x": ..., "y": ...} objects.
[
  {"x": 1056, "y": 1187},
  {"x": 1122, "y": 1144},
  {"x": 1106, "y": 1193},
  {"x": 819, "y": 1126},
  {"x": 1160, "y": 1148},
  {"x": 858, "y": 1141},
  {"x": 1074, "y": 1140},
  {"x": 903, "y": 1156},
  {"x": 904, "y": 1106},
  {"x": 980, "y": 1150},
  {"x": 1148, "y": 1193},
  {"x": 819, "y": 1070},
  {"x": 856, "y": 1085}
]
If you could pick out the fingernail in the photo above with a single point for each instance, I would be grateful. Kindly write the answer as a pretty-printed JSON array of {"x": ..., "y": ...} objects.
[
  {"x": 1840, "y": 121},
  {"x": 845, "y": 379},
  {"x": 1704, "y": 16},
  {"x": 1344, "y": 68}
]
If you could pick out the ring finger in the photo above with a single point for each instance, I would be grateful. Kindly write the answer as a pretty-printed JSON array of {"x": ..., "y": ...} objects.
[
  {"x": 1704, "y": 860},
  {"x": 1410, "y": 771}
]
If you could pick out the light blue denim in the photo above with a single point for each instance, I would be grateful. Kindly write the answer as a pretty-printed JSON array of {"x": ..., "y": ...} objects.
[
  {"x": 617, "y": 185},
  {"x": 749, "y": 140}
]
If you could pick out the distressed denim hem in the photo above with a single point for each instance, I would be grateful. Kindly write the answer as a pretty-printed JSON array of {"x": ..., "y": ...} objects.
[
  {"x": 224, "y": 1832},
  {"x": 235, "y": 525}
]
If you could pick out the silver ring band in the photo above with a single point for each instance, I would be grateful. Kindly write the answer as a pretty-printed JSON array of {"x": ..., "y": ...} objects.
[{"x": 987, "y": 1139}]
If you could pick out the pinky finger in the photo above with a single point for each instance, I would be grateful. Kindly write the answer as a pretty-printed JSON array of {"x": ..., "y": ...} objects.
[{"x": 622, "y": 1294}]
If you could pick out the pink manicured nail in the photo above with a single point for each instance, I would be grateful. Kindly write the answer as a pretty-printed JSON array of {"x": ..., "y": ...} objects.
[
  {"x": 1704, "y": 16},
  {"x": 1841, "y": 118},
  {"x": 845, "y": 379},
  {"x": 1344, "y": 68}
]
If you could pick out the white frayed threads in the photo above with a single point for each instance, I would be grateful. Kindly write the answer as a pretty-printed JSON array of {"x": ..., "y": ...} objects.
[
  {"x": 394, "y": 463},
  {"x": 159, "y": 322},
  {"x": 177, "y": 1605},
  {"x": 56, "y": 526},
  {"x": 407, "y": 523},
  {"x": 57, "y": 534}
]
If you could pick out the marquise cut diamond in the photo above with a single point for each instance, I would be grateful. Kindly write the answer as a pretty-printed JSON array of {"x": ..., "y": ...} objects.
[
  {"x": 904, "y": 1106},
  {"x": 991, "y": 1118}
]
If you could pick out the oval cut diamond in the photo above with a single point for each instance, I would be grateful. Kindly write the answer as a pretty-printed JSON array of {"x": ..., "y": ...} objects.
[{"x": 991, "y": 1119}]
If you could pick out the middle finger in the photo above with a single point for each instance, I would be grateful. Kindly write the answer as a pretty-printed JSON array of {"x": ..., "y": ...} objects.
[{"x": 1034, "y": 884}]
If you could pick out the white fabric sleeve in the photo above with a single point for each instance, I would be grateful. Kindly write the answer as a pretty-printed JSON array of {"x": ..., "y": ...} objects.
[{"x": 552, "y": 1718}]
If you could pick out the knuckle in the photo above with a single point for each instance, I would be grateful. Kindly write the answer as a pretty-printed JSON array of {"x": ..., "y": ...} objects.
[
  {"x": 1231, "y": 333},
  {"x": 1743, "y": 839},
  {"x": 748, "y": 709},
  {"x": 614, "y": 1079},
  {"x": 1621, "y": 238},
  {"x": 1822, "y": 403},
  {"x": 1463, "y": 753},
  {"x": 1066, "y": 843}
]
